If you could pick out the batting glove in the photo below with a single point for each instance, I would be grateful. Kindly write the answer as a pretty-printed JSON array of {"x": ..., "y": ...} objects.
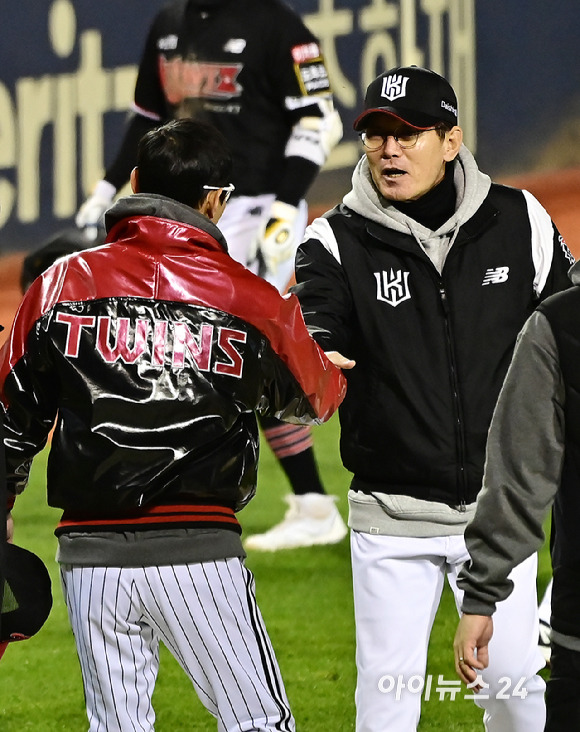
[
  {"x": 276, "y": 240},
  {"x": 90, "y": 214}
]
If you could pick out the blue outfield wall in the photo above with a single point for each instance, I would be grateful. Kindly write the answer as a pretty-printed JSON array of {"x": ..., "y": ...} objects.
[{"x": 68, "y": 71}]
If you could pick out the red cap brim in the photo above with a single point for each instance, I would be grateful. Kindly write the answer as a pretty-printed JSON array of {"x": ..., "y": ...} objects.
[{"x": 357, "y": 125}]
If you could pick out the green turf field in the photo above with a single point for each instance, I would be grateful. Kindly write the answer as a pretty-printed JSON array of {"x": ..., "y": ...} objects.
[{"x": 306, "y": 599}]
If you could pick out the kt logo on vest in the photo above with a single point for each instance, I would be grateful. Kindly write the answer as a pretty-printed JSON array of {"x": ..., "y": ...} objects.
[{"x": 392, "y": 287}]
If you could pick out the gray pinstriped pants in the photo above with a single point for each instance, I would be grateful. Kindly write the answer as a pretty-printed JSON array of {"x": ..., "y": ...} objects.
[{"x": 206, "y": 614}]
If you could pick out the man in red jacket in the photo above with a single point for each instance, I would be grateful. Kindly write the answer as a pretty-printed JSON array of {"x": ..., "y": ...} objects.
[
  {"x": 153, "y": 353},
  {"x": 255, "y": 71}
]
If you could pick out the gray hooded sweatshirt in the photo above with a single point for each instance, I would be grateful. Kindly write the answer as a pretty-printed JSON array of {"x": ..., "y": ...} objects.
[
  {"x": 525, "y": 455},
  {"x": 471, "y": 185}
]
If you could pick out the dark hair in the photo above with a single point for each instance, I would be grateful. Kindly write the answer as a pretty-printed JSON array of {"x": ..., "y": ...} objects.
[
  {"x": 442, "y": 128},
  {"x": 177, "y": 159}
]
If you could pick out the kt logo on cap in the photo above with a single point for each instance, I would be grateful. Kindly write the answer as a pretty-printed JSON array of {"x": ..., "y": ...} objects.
[{"x": 394, "y": 86}]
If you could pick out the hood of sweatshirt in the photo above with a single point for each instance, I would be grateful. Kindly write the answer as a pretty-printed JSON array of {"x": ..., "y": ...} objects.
[
  {"x": 152, "y": 204},
  {"x": 471, "y": 186}
]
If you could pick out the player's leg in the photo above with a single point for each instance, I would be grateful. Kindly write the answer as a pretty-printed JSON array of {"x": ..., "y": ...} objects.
[
  {"x": 240, "y": 224},
  {"x": 397, "y": 585},
  {"x": 207, "y": 615},
  {"x": 562, "y": 698},
  {"x": 118, "y": 654},
  {"x": 516, "y": 692},
  {"x": 312, "y": 517},
  {"x": 544, "y": 614}
]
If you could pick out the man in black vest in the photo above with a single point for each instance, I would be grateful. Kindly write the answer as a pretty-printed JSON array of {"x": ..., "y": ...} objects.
[
  {"x": 420, "y": 281},
  {"x": 533, "y": 462}
]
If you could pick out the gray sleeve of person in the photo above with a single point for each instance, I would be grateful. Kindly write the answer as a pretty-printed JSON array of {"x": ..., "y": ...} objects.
[{"x": 524, "y": 459}]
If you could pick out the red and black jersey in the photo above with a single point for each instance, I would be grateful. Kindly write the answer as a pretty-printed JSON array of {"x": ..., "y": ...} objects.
[
  {"x": 249, "y": 67},
  {"x": 153, "y": 352}
]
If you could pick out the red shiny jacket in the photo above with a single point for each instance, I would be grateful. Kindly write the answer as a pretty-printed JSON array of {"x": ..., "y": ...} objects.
[{"x": 153, "y": 352}]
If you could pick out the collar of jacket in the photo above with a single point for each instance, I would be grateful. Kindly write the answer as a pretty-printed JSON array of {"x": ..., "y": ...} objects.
[
  {"x": 481, "y": 220},
  {"x": 128, "y": 211},
  {"x": 471, "y": 184}
]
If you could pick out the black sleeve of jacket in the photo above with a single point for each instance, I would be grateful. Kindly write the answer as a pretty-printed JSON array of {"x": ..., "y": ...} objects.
[
  {"x": 282, "y": 396},
  {"x": 524, "y": 457},
  {"x": 29, "y": 397},
  {"x": 325, "y": 297},
  {"x": 299, "y": 174},
  {"x": 562, "y": 260},
  {"x": 149, "y": 96},
  {"x": 289, "y": 31},
  {"x": 149, "y": 111},
  {"x": 120, "y": 169}
]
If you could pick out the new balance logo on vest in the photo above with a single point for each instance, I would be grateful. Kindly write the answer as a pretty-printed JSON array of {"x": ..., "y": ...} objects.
[{"x": 496, "y": 276}]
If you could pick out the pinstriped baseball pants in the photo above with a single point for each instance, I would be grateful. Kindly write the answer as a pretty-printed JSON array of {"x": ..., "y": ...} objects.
[{"x": 206, "y": 614}]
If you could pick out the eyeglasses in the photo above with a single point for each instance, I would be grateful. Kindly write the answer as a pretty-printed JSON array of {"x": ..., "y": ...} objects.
[
  {"x": 405, "y": 137},
  {"x": 226, "y": 191}
]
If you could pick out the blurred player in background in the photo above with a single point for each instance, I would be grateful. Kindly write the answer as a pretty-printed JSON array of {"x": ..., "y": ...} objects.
[
  {"x": 152, "y": 357},
  {"x": 423, "y": 276},
  {"x": 252, "y": 69}
]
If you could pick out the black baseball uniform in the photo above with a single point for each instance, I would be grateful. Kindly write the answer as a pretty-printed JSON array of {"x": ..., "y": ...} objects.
[{"x": 249, "y": 67}]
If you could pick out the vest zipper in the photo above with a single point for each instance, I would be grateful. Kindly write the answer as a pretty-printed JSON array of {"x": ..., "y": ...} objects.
[{"x": 458, "y": 411}]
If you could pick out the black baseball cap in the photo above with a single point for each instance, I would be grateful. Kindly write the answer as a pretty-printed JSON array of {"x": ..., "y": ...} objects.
[
  {"x": 419, "y": 97},
  {"x": 27, "y": 596}
]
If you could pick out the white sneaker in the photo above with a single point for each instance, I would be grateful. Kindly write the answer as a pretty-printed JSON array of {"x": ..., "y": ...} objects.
[
  {"x": 544, "y": 641},
  {"x": 312, "y": 518}
]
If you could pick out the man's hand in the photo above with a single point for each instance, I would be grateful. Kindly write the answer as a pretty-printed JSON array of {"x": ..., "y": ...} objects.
[
  {"x": 339, "y": 360},
  {"x": 473, "y": 634},
  {"x": 91, "y": 212},
  {"x": 276, "y": 241}
]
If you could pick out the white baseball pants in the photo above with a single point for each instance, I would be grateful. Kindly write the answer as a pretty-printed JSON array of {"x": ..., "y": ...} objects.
[
  {"x": 240, "y": 224},
  {"x": 398, "y": 583},
  {"x": 206, "y": 614}
]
